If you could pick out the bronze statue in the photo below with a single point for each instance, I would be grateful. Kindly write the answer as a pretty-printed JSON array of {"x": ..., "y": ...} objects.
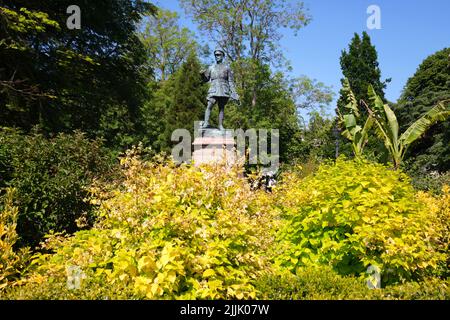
[{"x": 221, "y": 87}]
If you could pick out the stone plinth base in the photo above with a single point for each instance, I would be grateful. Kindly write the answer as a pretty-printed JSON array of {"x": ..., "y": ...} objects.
[{"x": 214, "y": 146}]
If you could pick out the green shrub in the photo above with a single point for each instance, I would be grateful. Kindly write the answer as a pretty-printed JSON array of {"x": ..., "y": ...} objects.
[
  {"x": 427, "y": 289},
  {"x": 323, "y": 283},
  {"x": 50, "y": 176},
  {"x": 311, "y": 283},
  {"x": 57, "y": 289},
  {"x": 352, "y": 214},
  {"x": 167, "y": 232},
  {"x": 423, "y": 177}
]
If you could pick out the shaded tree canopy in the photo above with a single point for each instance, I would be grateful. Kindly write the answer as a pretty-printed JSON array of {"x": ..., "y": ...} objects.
[
  {"x": 429, "y": 85},
  {"x": 91, "y": 79}
]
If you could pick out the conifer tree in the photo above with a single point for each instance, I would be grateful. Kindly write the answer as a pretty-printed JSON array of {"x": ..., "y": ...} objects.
[
  {"x": 360, "y": 66},
  {"x": 188, "y": 100}
]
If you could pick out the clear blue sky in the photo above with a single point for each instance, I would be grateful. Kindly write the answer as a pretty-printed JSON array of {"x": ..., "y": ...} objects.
[{"x": 410, "y": 31}]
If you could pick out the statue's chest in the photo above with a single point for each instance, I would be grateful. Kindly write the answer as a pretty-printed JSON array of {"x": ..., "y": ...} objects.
[{"x": 219, "y": 72}]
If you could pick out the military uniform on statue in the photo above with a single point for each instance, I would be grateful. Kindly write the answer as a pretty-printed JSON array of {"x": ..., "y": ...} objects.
[
  {"x": 221, "y": 87},
  {"x": 216, "y": 144}
]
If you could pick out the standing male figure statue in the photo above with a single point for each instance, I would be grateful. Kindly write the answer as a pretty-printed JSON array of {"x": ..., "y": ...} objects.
[{"x": 221, "y": 87}]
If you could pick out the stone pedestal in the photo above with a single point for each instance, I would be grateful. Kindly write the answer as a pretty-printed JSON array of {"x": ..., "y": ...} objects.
[{"x": 214, "y": 146}]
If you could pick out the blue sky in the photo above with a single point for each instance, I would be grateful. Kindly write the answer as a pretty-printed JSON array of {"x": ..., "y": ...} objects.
[{"x": 410, "y": 31}]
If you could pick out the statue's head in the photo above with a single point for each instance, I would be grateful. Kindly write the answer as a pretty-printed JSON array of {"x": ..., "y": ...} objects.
[{"x": 219, "y": 54}]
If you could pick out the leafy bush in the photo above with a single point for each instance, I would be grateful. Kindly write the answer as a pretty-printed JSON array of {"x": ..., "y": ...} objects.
[
  {"x": 353, "y": 214},
  {"x": 322, "y": 283},
  {"x": 423, "y": 178},
  {"x": 311, "y": 283},
  {"x": 168, "y": 232},
  {"x": 427, "y": 289},
  {"x": 57, "y": 289},
  {"x": 50, "y": 177},
  {"x": 430, "y": 181},
  {"x": 11, "y": 262},
  {"x": 439, "y": 206}
]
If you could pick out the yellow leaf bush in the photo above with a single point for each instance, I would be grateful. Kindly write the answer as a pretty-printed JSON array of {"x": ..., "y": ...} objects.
[
  {"x": 11, "y": 262},
  {"x": 181, "y": 232},
  {"x": 352, "y": 214},
  {"x": 439, "y": 209},
  {"x": 168, "y": 232}
]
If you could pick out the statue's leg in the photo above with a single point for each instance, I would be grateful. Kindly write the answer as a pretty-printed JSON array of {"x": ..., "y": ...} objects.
[
  {"x": 222, "y": 102},
  {"x": 211, "y": 102}
]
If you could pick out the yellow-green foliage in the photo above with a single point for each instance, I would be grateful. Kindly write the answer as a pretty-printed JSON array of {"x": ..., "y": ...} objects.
[
  {"x": 439, "y": 207},
  {"x": 11, "y": 262},
  {"x": 322, "y": 283},
  {"x": 353, "y": 214},
  {"x": 169, "y": 232}
]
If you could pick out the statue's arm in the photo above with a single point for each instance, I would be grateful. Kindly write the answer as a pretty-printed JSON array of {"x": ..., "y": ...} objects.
[
  {"x": 234, "y": 94},
  {"x": 206, "y": 74}
]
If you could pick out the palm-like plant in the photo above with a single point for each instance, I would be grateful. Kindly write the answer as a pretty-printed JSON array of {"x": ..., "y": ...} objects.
[
  {"x": 355, "y": 133},
  {"x": 387, "y": 127}
]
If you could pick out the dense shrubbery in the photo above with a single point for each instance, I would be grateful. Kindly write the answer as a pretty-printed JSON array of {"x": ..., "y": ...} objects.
[
  {"x": 202, "y": 233},
  {"x": 353, "y": 214},
  {"x": 50, "y": 176},
  {"x": 322, "y": 283},
  {"x": 439, "y": 207},
  {"x": 423, "y": 179},
  {"x": 311, "y": 283},
  {"x": 167, "y": 232},
  {"x": 12, "y": 262}
]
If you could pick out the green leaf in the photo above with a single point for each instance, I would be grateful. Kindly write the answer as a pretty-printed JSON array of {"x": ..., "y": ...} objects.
[
  {"x": 393, "y": 124},
  {"x": 349, "y": 120},
  {"x": 440, "y": 112}
]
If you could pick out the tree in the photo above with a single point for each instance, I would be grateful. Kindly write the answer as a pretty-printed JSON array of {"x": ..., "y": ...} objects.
[
  {"x": 16, "y": 56},
  {"x": 92, "y": 79},
  {"x": 167, "y": 44},
  {"x": 318, "y": 138},
  {"x": 312, "y": 97},
  {"x": 247, "y": 28},
  {"x": 248, "y": 31},
  {"x": 387, "y": 126},
  {"x": 187, "y": 100},
  {"x": 274, "y": 109},
  {"x": 429, "y": 85},
  {"x": 311, "y": 94},
  {"x": 360, "y": 66}
]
